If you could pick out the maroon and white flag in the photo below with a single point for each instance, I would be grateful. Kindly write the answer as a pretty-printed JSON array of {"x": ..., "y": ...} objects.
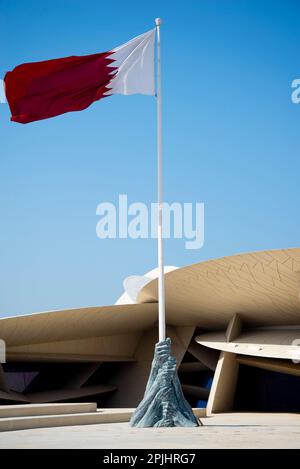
[{"x": 40, "y": 90}]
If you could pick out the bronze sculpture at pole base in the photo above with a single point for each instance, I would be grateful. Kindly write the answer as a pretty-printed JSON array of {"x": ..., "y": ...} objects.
[{"x": 163, "y": 404}]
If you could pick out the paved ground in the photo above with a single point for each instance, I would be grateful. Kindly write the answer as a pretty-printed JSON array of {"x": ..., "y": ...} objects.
[{"x": 220, "y": 431}]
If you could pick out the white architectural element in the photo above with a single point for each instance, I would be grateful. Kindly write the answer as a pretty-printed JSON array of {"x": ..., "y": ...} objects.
[
  {"x": 134, "y": 284},
  {"x": 271, "y": 343}
]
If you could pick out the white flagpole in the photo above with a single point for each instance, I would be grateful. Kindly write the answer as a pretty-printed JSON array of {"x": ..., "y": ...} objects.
[{"x": 161, "y": 280}]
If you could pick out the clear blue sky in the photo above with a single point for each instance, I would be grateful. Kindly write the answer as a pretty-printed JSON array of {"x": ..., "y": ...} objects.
[{"x": 231, "y": 140}]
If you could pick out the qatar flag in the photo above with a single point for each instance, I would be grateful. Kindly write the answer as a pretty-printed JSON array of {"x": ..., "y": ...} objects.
[{"x": 40, "y": 90}]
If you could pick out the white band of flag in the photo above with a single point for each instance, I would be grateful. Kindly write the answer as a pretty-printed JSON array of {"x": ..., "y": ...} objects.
[{"x": 135, "y": 66}]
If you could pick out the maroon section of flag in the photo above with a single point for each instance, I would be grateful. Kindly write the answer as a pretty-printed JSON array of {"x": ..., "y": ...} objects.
[{"x": 40, "y": 90}]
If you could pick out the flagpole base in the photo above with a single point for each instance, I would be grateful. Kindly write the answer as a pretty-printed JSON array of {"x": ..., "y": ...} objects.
[{"x": 163, "y": 404}]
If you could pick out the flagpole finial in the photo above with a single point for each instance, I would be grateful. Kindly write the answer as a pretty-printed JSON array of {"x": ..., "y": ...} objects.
[{"x": 158, "y": 21}]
